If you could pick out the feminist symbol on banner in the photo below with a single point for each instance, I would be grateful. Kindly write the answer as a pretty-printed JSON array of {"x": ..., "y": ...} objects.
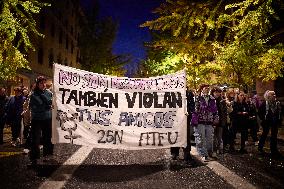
[{"x": 63, "y": 119}]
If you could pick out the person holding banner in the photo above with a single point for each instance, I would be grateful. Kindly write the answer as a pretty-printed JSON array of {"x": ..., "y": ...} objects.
[
  {"x": 187, "y": 149},
  {"x": 203, "y": 119},
  {"x": 40, "y": 105}
]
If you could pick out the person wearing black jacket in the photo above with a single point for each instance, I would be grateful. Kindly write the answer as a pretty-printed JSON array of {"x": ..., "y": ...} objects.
[
  {"x": 3, "y": 102},
  {"x": 270, "y": 114},
  {"x": 240, "y": 121},
  {"x": 222, "y": 112},
  {"x": 40, "y": 106},
  {"x": 187, "y": 149},
  {"x": 14, "y": 115},
  {"x": 252, "y": 120}
]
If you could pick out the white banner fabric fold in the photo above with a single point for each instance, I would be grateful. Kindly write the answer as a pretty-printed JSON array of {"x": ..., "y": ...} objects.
[{"x": 118, "y": 112}]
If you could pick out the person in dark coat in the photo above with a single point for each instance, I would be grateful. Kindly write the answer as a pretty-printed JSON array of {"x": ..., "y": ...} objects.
[
  {"x": 187, "y": 149},
  {"x": 222, "y": 112},
  {"x": 252, "y": 120},
  {"x": 270, "y": 114},
  {"x": 3, "y": 102},
  {"x": 240, "y": 121},
  {"x": 40, "y": 105},
  {"x": 14, "y": 114}
]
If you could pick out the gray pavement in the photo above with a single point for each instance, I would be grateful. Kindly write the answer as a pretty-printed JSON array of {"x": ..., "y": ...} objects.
[{"x": 104, "y": 168}]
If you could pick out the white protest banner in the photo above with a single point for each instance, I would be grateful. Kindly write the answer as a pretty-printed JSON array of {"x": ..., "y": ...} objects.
[{"x": 117, "y": 112}]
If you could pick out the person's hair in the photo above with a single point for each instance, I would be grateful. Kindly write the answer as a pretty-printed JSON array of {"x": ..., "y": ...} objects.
[
  {"x": 40, "y": 79},
  {"x": 266, "y": 94},
  {"x": 2, "y": 89},
  {"x": 237, "y": 96},
  {"x": 202, "y": 86},
  {"x": 215, "y": 89},
  {"x": 18, "y": 89},
  {"x": 230, "y": 91}
]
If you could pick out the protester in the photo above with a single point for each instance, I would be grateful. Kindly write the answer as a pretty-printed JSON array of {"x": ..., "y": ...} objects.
[
  {"x": 222, "y": 113},
  {"x": 226, "y": 130},
  {"x": 187, "y": 149},
  {"x": 26, "y": 113},
  {"x": 14, "y": 117},
  {"x": 240, "y": 122},
  {"x": 40, "y": 105},
  {"x": 270, "y": 114},
  {"x": 252, "y": 122},
  {"x": 256, "y": 101},
  {"x": 204, "y": 117},
  {"x": 26, "y": 116},
  {"x": 3, "y": 101}
]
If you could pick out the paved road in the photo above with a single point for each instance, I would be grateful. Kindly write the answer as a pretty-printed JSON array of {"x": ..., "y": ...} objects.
[{"x": 83, "y": 167}]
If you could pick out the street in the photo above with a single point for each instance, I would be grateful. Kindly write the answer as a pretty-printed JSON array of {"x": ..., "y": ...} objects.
[{"x": 84, "y": 167}]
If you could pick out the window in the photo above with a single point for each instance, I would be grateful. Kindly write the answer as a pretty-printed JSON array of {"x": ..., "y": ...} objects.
[
  {"x": 52, "y": 30},
  {"x": 67, "y": 42},
  {"x": 42, "y": 22},
  {"x": 278, "y": 83},
  {"x": 67, "y": 4},
  {"x": 40, "y": 56},
  {"x": 50, "y": 58},
  {"x": 72, "y": 47},
  {"x": 65, "y": 62},
  {"x": 66, "y": 24},
  {"x": 78, "y": 56},
  {"x": 59, "y": 59},
  {"x": 60, "y": 36},
  {"x": 59, "y": 15}
]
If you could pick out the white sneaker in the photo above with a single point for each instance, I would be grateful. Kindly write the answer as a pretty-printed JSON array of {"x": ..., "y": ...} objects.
[
  {"x": 13, "y": 143},
  {"x": 205, "y": 159},
  {"x": 26, "y": 151},
  {"x": 221, "y": 151},
  {"x": 18, "y": 142}
]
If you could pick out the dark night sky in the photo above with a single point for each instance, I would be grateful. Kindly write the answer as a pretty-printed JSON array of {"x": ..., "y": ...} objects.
[{"x": 130, "y": 14}]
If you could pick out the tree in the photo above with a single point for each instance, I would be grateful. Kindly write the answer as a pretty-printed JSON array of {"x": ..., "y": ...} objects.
[
  {"x": 188, "y": 28},
  {"x": 17, "y": 26},
  {"x": 231, "y": 41},
  {"x": 96, "y": 46},
  {"x": 248, "y": 52}
]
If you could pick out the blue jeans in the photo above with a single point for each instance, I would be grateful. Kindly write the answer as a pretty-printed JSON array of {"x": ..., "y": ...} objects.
[{"x": 204, "y": 139}]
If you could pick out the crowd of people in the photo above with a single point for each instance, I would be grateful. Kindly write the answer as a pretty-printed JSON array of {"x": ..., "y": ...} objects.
[
  {"x": 216, "y": 115},
  {"x": 28, "y": 113}
]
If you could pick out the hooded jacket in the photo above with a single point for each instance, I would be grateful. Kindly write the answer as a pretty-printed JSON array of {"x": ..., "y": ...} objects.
[{"x": 205, "y": 112}]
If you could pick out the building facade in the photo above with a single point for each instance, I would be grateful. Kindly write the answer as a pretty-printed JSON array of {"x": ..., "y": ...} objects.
[{"x": 60, "y": 24}]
